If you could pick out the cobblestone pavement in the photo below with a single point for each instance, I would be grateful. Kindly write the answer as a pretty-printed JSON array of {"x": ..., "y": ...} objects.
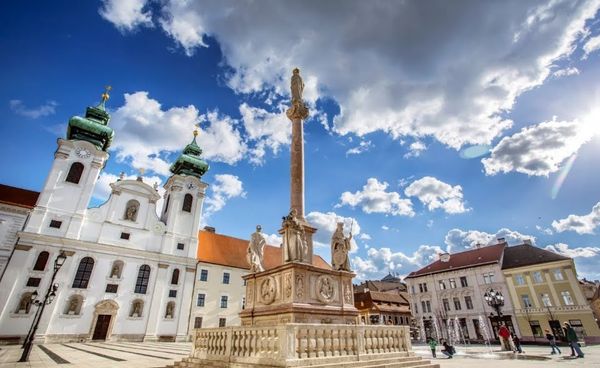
[
  {"x": 97, "y": 355},
  {"x": 533, "y": 356}
]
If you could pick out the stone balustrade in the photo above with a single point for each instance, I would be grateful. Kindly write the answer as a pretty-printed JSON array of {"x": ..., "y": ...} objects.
[{"x": 297, "y": 342}]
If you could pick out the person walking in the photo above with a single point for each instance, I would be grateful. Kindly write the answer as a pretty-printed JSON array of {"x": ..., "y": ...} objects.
[
  {"x": 572, "y": 339},
  {"x": 448, "y": 349},
  {"x": 517, "y": 344},
  {"x": 432, "y": 345},
  {"x": 504, "y": 334},
  {"x": 552, "y": 340}
]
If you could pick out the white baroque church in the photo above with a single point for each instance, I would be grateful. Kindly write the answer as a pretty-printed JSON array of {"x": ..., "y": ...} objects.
[{"x": 129, "y": 273}]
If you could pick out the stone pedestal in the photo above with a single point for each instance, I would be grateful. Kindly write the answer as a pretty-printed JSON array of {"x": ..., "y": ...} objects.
[{"x": 299, "y": 293}]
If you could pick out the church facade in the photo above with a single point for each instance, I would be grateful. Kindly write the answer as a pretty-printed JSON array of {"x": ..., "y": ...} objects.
[{"x": 129, "y": 272}]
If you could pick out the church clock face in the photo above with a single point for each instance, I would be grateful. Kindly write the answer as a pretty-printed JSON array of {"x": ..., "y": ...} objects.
[
  {"x": 191, "y": 186},
  {"x": 82, "y": 152}
]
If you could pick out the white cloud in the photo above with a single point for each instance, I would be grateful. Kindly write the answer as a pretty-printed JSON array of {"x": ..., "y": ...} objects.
[
  {"x": 436, "y": 194},
  {"x": 326, "y": 223},
  {"x": 126, "y": 15},
  {"x": 373, "y": 198},
  {"x": 591, "y": 45},
  {"x": 546, "y": 231},
  {"x": 566, "y": 72},
  {"x": 415, "y": 149},
  {"x": 363, "y": 146},
  {"x": 408, "y": 89},
  {"x": 385, "y": 227},
  {"x": 19, "y": 108},
  {"x": 145, "y": 132},
  {"x": 224, "y": 188},
  {"x": 273, "y": 239},
  {"x": 102, "y": 189},
  {"x": 581, "y": 252},
  {"x": 584, "y": 224},
  {"x": 383, "y": 260},
  {"x": 539, "y": 149},
  {"x": 458, "y": 240},
  {"x": 268, "y": 129},
  {"x": 364, "y": 236}
]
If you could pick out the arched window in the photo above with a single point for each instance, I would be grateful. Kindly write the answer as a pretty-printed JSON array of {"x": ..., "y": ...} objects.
[
  {"x": 24, "y": 305},
  {"x": 141, "y": 285},
  {"x": 187, "y": 203},
  {"x": 167, "y": 203},
  {"x": 131, "y": 210},
  {"x": 175, "y": 277},
  {"x": 75, "y": 172},
  {"x": 170, "y": 311},
  {"x": 84, "y": 271},
  {"x": 137, "y": 308},
  {"x": 74, "y": 304},
  {"x": 42, "y": 260},
  {"x": 116, "y": 269}
]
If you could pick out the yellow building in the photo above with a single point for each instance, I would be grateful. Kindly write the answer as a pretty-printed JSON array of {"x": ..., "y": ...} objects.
[{"x": 545, "y": 293}]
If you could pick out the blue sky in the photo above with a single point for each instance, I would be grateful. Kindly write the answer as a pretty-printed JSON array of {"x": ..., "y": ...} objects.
[{"x": 399, "y": 95}]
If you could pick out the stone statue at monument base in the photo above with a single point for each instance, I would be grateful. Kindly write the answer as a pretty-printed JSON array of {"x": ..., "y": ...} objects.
[
  {"x": 340, "y": 248},
  {"x": 256, "y": 248}
]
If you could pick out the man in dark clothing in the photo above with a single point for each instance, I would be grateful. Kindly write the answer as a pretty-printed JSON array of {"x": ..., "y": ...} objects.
[
  {"x": 572, "y": 340},
  {"x": 517, "y": 343},
  {"x": 448, "y": 349},
  {"x": 552, "y": 340}
]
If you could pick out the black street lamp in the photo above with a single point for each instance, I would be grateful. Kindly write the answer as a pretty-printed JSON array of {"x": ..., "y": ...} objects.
[
  {"x": 48, "y": 298},
  {"x": 494, "y": 299}
]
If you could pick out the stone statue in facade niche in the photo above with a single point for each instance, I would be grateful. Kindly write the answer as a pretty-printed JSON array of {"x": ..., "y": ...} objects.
[
  {"x": 131, "y": 212},
  {"x": 115, "y": 271},
  {"x": 340, "y": 247},
  {"x": 73, "y": 306},
  {"x": 169, "y": 313},
  {"x": 294, "y": 240},
  {"x": 136, "y": 310},
  {"x": 255, "y": 250}
]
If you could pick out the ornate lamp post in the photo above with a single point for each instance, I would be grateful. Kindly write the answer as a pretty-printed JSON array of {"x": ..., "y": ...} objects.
[
  {"x": 48, "y": 298},
  {"x": 494, "y": 299}
]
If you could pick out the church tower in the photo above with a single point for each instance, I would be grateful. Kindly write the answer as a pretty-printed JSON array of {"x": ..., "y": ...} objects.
[
  {"x": 75, "y": 170},
  {"x": 184, "y": 197}
]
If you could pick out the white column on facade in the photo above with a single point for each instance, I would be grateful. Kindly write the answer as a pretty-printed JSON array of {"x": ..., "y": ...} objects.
[
  {"x": 186, "y": 300},
  {"x": 579, "y": 297},
  {"x": 534, "y": 297},
  {"x": 155, "y": 313},
  {"x": 557, "y": 301},
  {"x": 516, "y": 301}
]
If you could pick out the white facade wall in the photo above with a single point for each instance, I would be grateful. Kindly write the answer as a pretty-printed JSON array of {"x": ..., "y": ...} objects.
[
  {"x": 214, "y": 288},
  {"x": 12, "y": 220},
  {"x": 476, "y": 289}
]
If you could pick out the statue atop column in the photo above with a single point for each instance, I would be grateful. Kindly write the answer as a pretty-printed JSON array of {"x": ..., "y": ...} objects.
[
  {"x": 340, "y": 247},
  {"x": 298, "y": 110},
  {"x": 295, "y": 248},
  {"x": 255, "y": 250}
]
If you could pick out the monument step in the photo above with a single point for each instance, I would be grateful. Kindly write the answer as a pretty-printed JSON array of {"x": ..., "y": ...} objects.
[{"x": 398, "y": 362}]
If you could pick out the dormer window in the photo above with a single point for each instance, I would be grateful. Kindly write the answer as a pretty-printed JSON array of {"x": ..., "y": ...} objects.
[
  {"x": 75, "y": 173},
  {"x": 131, "y": 210}
]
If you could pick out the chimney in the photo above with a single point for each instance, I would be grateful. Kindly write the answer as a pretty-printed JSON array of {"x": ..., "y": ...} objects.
[
  {"x": 210, "y": 229},
  {"x": 445, "y": 257},
  {"x": 501, "y": 240},
  {"x": 527, "y": 242}
]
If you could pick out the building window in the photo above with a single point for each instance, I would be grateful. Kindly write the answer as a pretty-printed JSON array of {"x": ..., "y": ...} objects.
[
  {"x": 42, "y": 260},
  {"x": 75, "y": 172},
  {"x": 223, "y": 301},
  {"x": 201, "y": 299},
  {"x": 536, "y": 329},
  {"x": 84, "y": 271},
  {"x": 112, "y": 288},
  {"x": 175, "y": 277},
  {"x": 137, "y": 308},
  {"x": 170, "y": 310},
  {"x": 125, "y": 236},
  {"x": 131, "y": 210},
  {"x": 243, "y": 303},
  {"x": 141, "y": 284},
  {"x": 203, "y": 275},
  {"x": 488, "y": 278},
  {"x": 456, "y": 304},
  {"x": 116, "y": 270},
  {"x": 74, "y": 304},
  {"x": 519, "y": 280},
  {"x": 226, "y": 277},
  {"x": 567, "y": 298},
  {"x": 578, "y": 327},
  {"x": 463, "y": 281},
  {"x": 558, "y": 276},
  {"x": 187, "y": 203},
  {"x": 55, "y": 224},
  {"x": 526, "y": 301},
  {"x": 423, "y": 306},
  {"x": 180, "y": 246},
  {"x": 537, "y": 277},
  {"x": 446, "y": 305},
  {"x": 416, "y": 308},
  {"x": 546, "y": 300},
  {"x": 452, "y": 283},
  {"x": 198, "y": 322},
  {"x": 222, "y": 322},
  {"x": 468, "y": 302},
  {"x": 423, "y": 287},
  {"x": 428, "y": 305},
  {"x": 442, "y": 285},
  {"x": 33, "y": 282},
  {"x": 167, "y": 203},
  {"x": 172, "y": 293},
  {"x": 245, "y": 282},
  {"x": 412, "y": 289}
]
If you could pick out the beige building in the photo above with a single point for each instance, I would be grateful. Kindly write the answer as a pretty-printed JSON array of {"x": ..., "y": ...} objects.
[
  {"x": 382, "y": 301},
  {"x": 545, "y": 291},
  {"x": 591, "y": 292}
]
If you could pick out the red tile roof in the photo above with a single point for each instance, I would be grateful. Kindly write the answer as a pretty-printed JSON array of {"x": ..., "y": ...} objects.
[
  {"x": 469, "y": 258},
  {"x": 229, "y": 251},
  {"x": 17, "y": 196}
]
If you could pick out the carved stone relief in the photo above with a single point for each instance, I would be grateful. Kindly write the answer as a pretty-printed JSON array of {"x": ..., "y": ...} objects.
[
  {"x": 348, "y": 293},
  {"x": 288, "y": 285},
  {"x": 268, "y": 290},
  {"x": 299, "y": 285},
  {"x": 326, "y": 288}
]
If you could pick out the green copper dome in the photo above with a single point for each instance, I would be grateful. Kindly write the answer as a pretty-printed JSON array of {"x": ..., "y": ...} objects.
[
  {"x": 190, "y": 162},
  {"x": 93, "y": 127}
]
